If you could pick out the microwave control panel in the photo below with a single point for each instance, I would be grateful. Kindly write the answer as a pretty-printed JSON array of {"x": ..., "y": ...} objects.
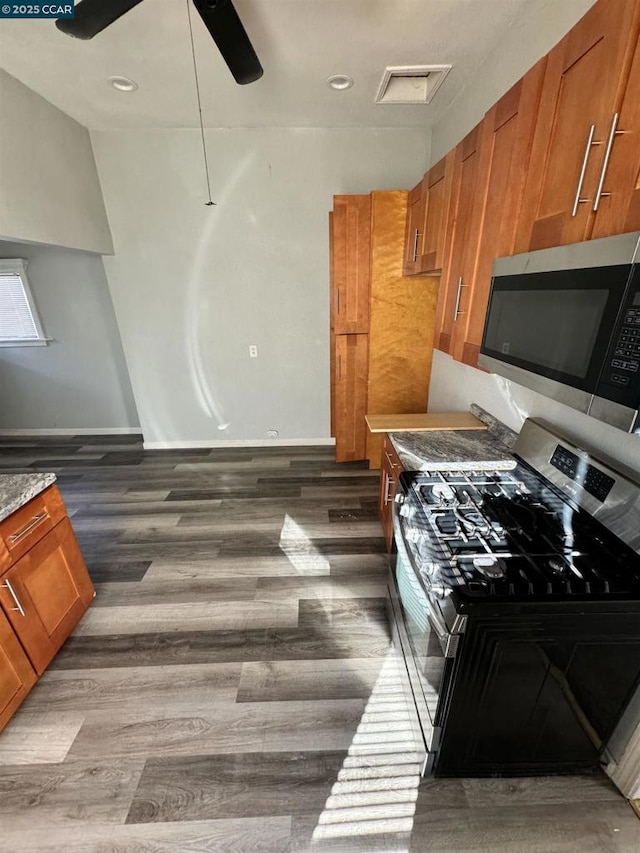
[
  {"x": 592, "y": 479},
  {"x": 622, "y": 368}
]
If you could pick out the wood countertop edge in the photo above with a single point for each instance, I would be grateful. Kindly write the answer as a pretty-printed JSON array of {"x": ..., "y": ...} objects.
[{"x": 424, "y": 422}]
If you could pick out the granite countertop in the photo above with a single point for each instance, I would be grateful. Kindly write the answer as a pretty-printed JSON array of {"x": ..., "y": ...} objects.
[
  {"x": 448, "y": 450},
  {"x": 18, "y": 489}
]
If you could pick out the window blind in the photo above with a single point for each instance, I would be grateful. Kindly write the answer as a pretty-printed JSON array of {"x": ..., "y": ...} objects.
[{"x": 17, "y": 322}]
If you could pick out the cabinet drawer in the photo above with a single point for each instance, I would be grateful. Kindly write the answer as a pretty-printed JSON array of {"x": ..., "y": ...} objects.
[
  {"x": 389, "y": 456},
  {"x": 27, "y": 525}
]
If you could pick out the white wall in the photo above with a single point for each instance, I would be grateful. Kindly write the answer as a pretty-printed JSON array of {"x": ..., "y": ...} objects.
[
  {"x": 80, "y": 380},
  {"x": 194, "y": 286},
  {"x": 535, "y": 31},
  {"x": 454, "y": 386},
  {"x": 49, "y": 190}
]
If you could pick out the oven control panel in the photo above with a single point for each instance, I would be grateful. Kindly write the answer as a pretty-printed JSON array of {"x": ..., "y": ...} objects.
[{"x": 592, "y": 479}]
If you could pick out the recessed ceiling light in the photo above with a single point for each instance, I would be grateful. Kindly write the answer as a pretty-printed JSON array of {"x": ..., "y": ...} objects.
[
  {"x": 339, "y": 82},
  {"x": 123, "y": 84}
]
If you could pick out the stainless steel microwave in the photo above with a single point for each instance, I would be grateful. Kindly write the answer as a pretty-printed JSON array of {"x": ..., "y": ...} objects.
[{"x": 566, "y": 322}]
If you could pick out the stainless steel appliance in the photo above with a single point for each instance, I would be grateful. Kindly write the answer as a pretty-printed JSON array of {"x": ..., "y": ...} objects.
[
  {"x": 515, "y": 605},
  {"x": 566, "y": 322}
]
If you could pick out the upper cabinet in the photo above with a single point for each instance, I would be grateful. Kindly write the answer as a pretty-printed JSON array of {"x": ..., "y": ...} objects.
[
  {"x": 350, "y": 238},
  {"x": 505, "y": 147},
  {"x": 579, "y": 130},
  {"x": 619, "y": 206},
  {"x": 464, "y": 226},
  {"x": 414, "y": 232},
  {"x": 426, "y": 235}
]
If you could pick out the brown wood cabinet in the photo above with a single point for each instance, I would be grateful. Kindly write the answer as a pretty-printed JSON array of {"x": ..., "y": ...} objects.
[
  {"x": 427, "y": 240},
  {"x": 350, "y": 396},
  {"x": 390, "y": 470},
  {"x": 505, "y": 147},
  {"x": 17, "y": 676},
  {"x": 350, "y": 229},
  {"x": 468, "y": 179},
  {"x": 386, "y": 368},
  {"x": 619, "y": 208},
  {"x": 43, "y": 593},
  {"x": 414, "y": 231},
  {"x": 584, "y": 84}
]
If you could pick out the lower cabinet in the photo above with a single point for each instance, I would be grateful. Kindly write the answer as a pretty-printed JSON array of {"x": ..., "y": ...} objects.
[
  {"x": 350, "y": 396},
  {"x": 390, "y": 470},
  {"x": 43, "y": 595},
  {"x": 17, "y": 676}
]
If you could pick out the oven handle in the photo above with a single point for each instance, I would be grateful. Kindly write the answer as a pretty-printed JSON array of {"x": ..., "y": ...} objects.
[{"x": 447, "y": 640}]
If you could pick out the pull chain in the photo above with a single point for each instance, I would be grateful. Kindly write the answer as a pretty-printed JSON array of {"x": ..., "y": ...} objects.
[{"x": 209, "y": 203}]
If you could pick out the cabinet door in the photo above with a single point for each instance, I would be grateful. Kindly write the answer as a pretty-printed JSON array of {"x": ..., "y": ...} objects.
[
  {"x": 505, "y": 147},
  {"x": 583, "y": 87},
  {"x": 414, "y": 231},
  {"x": 437, "y": 186},
  {"x": 350, "y": 245},
  {"x": 45, "y": 593},
  {"x": 390, "y": 470},
  {"x": 351, "y": 359},
  {"x": 17, "y": 676},
  {"x": 466, "y": 227},
  {"x": 619, "y": 203}
]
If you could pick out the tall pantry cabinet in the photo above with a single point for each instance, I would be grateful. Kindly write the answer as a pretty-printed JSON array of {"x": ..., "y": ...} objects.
[{"x": 381, "y": 322}]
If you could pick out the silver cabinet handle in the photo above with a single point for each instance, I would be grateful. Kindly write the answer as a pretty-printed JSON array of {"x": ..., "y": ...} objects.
[
  {"x": 613, "y": 132},
  {"x": 387, "y": 489},
  {"x": 415, "y": 246},
  {"x": 36, "y": 520},
  {"x": 457, "y": 312},
  {"x": 18, "y": 608},
  {"x": 587, "y": 151}
]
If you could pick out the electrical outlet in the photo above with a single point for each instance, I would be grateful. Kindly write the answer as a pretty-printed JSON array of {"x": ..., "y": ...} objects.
[
  {"x": 253, "y": 351},
  {"x": 272, "y": 433}
]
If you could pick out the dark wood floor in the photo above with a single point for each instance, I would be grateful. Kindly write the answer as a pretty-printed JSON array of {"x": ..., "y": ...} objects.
[{"x": 231, "y": 688}]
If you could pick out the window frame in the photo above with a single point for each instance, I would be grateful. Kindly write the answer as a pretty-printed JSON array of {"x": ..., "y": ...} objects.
[{"x": 18, "y": 266}]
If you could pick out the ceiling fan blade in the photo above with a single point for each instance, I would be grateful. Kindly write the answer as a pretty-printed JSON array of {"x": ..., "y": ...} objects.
[
  {"x": 93, "y": 16},
  {"x": 222, "y": 21}
]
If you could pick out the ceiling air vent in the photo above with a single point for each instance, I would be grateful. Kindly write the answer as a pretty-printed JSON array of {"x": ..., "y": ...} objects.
[{"x": 411, "y": 84}]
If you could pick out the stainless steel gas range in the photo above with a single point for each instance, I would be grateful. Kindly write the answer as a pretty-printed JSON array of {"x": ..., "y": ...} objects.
[{"x": 515, "y": 604}]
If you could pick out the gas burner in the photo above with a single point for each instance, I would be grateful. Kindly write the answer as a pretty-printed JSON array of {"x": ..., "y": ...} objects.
[
  {"x": 491, "y": 567},
  {"x": 557, "y": 565},
  {"x": 474, "y": 521},
  {"x": 447, "y": 523},
  {"x": 443, "y": 493}
]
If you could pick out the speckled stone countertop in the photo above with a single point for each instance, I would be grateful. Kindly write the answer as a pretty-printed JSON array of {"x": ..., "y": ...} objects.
[
  {"x": 17, "y": 489},
  {"x": 449, "y": 450}
]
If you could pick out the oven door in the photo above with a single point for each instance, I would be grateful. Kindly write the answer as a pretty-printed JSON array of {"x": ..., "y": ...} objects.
[{"x": 429, "y": 649}]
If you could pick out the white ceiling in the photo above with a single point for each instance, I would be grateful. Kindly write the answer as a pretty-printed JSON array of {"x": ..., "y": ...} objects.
[{"x": 299, "y": 43}]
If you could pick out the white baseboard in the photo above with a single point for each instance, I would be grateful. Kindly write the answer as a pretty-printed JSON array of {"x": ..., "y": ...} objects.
[
  {"x": 239, "y": 442},
  {"x": 71, "y": 431}
]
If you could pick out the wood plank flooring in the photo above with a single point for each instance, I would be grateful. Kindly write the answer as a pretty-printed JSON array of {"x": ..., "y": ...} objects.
[{"x": 231, "y": 688}]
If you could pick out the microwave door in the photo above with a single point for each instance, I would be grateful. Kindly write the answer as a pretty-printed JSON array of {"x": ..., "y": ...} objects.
[{"x": 550, "y": 331}]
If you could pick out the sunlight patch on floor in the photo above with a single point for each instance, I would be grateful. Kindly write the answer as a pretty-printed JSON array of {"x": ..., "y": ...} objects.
[{"x": 377, "y": 787}]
